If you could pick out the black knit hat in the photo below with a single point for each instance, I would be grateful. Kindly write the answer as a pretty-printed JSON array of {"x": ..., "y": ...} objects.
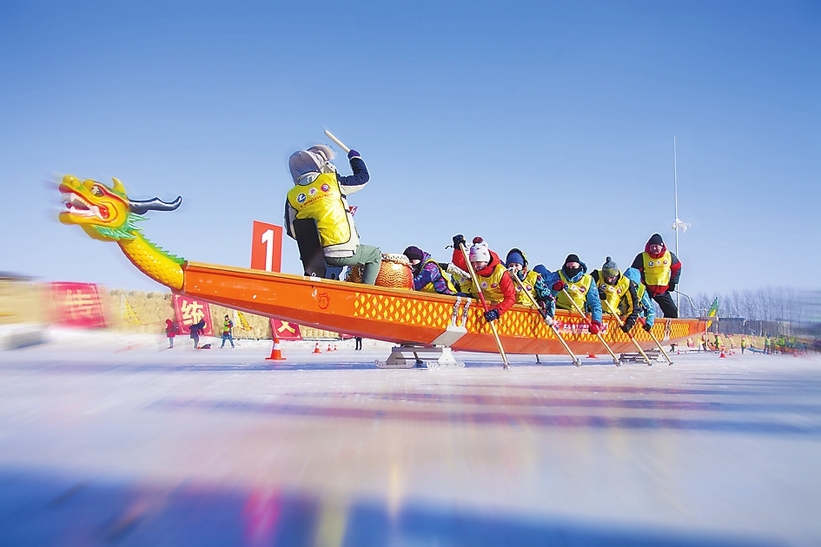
[
  {"x": 413, "y": 253},
  {"x": 655, "y": 239},
  {"x": 572, "y": 258}
]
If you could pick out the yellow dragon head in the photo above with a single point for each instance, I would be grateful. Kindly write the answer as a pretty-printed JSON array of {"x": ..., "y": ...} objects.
[{"x": 105, "y": 213}]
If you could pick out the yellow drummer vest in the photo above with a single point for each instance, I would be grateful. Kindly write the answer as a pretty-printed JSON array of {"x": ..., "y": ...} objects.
[
  {"x": 529, "y": 283},
  {"x": 489, "y": 285},
  {"x": 323, "y": 201},
  {"x": 577, "y": 291},
  {"x": 614, "y": 293},
  {"x": 445, "y": 275},
  {"x": 657, "y": 270}
]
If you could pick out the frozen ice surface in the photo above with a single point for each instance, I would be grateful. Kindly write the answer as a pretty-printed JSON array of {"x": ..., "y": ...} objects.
[{"x": 113, "y": 439}]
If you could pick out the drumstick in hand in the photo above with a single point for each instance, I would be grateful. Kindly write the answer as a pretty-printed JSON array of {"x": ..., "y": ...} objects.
[{"x": 337, "y": 141}]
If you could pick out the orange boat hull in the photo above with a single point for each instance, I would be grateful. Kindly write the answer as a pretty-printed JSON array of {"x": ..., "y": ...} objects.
[{"x": 406, "y": 316}]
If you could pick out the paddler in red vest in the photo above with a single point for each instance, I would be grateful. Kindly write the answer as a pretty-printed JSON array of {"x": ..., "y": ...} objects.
[
  {"x": 495, "y": 282},
  {"x": 660, "y": 271},
  {"x": 572, "y": 279},
  {"x": 320, "y": 193},
  {"x": 617, "y": 293}
]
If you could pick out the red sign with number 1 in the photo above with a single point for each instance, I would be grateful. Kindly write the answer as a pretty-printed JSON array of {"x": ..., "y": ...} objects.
[{"x": 266, "y": 247}]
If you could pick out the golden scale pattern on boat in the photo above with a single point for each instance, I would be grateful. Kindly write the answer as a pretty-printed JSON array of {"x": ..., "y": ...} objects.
[{"x": 516, "y": 323}]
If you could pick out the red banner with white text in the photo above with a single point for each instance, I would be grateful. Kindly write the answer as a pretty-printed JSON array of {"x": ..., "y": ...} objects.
[
  {"x": 285, "y": 330},
  {"x": 189, "y": 311},
  {"x": 77, "y": 305}
]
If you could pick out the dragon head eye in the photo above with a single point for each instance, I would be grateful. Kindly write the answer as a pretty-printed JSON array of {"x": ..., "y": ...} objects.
[{"x": 97, "y": 191}]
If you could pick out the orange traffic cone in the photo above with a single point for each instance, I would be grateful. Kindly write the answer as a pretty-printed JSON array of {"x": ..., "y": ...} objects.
[
  {"x": 592, "y": 355},
  {"x": 276, "y": 352},
  {"x": 329, "y": 348},
  {"x": 721, "y": 355},
  {"x": 316, "y": 348},
  {"x": 334, "y": 347}
]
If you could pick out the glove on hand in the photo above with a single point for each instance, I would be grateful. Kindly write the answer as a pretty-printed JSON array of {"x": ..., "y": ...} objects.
[
  {"x": 491, "y": 315},
  {"x": 559, "y": 285},
  {"x": 595, "y": 327},
  {"x": 602, "y": 294},
  {"x": 671, "y": 287},
  {"x": 459, "y": 240},
  {"x": 628, "y": 324},
  {"x": 647, "y": 326},
  {"x": 548, "y": 320},
  {"x": 353, "y": 154}
]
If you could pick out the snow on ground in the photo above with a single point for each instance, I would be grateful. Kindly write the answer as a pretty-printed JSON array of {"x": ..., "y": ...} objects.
[{"x": 111, "y": 438}]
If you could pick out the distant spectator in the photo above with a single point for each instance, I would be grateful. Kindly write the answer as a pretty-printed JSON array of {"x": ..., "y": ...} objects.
[
  {"x": 171, "y": 330},
  {"x": 358, "y": 340},
  {"x": 227, "y": 334},
  {"x": 197, "y": 330}
]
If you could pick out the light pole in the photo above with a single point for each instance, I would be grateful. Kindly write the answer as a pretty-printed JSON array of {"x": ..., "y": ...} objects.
[{"x": 678, "y": 224}]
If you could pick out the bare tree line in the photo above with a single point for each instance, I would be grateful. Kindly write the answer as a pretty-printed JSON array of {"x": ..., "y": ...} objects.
[{"x": 795, "y": 306}]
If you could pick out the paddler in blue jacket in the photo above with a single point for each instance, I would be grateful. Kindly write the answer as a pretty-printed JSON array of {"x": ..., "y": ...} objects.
[
  {"x": 572, "y": 279},
  {"x": 647, "y": 308},
  {"x": 320, "y": 193}
]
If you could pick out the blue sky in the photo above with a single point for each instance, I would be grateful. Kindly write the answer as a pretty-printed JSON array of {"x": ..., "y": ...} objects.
[{"x": 543, "y": 125}]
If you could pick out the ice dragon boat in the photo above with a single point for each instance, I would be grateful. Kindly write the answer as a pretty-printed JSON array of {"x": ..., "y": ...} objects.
[{"x": 395, "y": 315}]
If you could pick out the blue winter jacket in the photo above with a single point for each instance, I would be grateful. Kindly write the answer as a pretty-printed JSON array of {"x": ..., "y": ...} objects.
[
  {"x": 592, "y": 303},
  {"x": 649, "y": 311},
  {"x": 550, "y": 302}
]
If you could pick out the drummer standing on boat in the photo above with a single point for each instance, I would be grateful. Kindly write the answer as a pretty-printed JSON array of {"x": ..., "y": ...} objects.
[
  {"x": 320, "y": 193},
  {"x": 660, "y": 271}
]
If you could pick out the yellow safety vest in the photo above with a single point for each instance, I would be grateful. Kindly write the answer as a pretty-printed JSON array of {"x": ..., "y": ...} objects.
[
  {"x": 529, "y": 283},
  {"x": 614, "y": 293},
  {"x": 657, "y": 270},
  {"x": 577, "y": 290},
  {"x": 489, "y": 285},
  {"x": 323, "y": 201}
]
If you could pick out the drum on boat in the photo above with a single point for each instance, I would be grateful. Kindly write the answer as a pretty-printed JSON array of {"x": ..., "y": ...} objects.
[{"x": 395, "y": 272}]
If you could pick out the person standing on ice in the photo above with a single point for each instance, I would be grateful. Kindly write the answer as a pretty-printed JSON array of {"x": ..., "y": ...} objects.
[
  {"x": 320, "y": 193},
  {"x": 573, "y": 281},
  {"x": 428, "y": 275},
  {"x": 495, "y": 282},
  {"x": 227, "y": 327},
  {"x": 532, "y": 281},
  {"x": 617, "y": 293},
  {"x": 660, "y": 271},
  {"x": 170, "y": 332}
]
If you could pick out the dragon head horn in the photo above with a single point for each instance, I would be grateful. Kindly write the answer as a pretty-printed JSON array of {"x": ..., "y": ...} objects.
[
  {"x": 118, "y": 186},
  {"x": 156, "y": 204}
]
